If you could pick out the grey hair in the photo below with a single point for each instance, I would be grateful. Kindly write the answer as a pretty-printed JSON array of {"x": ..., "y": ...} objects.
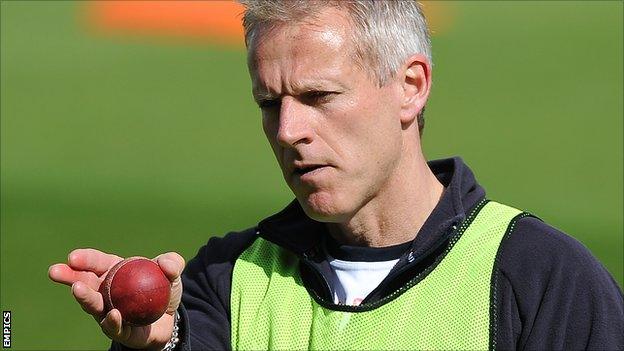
[{"x": 385, "y": 32}]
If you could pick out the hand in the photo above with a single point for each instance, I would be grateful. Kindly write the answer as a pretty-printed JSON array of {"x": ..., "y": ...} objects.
[{"x": 84, "y": 272}]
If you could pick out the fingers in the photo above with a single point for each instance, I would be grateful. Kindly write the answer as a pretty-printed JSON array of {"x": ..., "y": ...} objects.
[
  {"x": 89, "y": 299},
  {"x": 62, "y": 273},
  {"x": 92, "y": 260},
  {"x": 172, "y": 265},
  {"x": 112, "y": 326},
  {"x": 85, "y": 265}
]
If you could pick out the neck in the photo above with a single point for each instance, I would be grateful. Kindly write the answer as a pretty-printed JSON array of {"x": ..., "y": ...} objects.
[{"x": 397, "y": 212}]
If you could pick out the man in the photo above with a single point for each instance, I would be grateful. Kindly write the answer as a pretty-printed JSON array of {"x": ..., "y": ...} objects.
[{"x": 380, "y": 250}]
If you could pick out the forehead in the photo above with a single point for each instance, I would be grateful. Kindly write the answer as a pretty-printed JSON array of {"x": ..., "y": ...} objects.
[
  {"x": 328, "y": 22},
  {"x": 306, "y": 49}
]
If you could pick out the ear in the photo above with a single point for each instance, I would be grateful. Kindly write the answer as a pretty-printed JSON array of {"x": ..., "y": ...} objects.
[{"x": 415, "y": 77}]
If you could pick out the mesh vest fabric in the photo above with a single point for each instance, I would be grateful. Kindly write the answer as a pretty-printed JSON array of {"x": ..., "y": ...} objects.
[{"x": 445, "y": 308}]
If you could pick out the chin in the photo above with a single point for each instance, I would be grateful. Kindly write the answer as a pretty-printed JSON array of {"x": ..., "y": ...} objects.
[{"x": 324, "y": 207}]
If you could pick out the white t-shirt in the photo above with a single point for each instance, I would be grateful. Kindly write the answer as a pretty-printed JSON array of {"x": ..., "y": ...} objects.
[
  {"x": 350, "y": 282},
  {"x": 353, "y": 272}
]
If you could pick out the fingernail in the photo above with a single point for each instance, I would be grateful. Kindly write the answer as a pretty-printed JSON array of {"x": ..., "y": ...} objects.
[
  {"x": 108, "y": 320},
  {"x": 71, "y": 256},
  {"x": 77, "y": 288},
  {"x": 171, "y": 265},
  {"x": 52, "y": 271},
  {"x": 116, "y": 318}
]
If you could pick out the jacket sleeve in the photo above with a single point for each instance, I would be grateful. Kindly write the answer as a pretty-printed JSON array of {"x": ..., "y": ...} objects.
[
  {"x": 554, "y": 295},
  {"x": 207, "y": 280}
]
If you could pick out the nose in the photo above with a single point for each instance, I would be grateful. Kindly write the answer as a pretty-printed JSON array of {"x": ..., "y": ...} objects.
[{"x": 294, "y": 123}]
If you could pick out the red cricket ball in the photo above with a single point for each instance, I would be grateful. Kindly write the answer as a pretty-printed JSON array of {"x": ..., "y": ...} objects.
[{"x": 138, "y": 288}]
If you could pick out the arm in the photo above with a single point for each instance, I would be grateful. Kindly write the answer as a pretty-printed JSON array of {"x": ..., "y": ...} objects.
[
  {"x": 207, "y": 278},
  {"x": 554, "y": 294}
]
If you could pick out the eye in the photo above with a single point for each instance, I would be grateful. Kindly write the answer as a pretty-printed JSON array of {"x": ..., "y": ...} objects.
[
  {"x": 317, "y": 97},
  {"x": 269, "y": 103}
]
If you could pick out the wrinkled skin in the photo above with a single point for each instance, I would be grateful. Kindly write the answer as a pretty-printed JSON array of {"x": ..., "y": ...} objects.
[{"x": 348, "y": 148}]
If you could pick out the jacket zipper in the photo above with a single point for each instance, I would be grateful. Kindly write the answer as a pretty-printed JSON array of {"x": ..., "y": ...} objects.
[{"x": 319, "y": 277}]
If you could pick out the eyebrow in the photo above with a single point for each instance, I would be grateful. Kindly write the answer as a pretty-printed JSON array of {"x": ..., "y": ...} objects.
[
  {"x": 299, "y": 89},
  {"x": 259, "y": 96}
]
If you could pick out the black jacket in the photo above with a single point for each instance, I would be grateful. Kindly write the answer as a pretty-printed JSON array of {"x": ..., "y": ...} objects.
[{"x": 551, "y": 292}]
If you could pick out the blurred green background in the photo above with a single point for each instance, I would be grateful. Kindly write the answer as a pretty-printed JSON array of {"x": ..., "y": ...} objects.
[{"x": 139, "y": 146}]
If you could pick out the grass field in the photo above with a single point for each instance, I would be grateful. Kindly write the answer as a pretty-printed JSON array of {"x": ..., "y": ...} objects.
[{"x": 138, "y": 146}]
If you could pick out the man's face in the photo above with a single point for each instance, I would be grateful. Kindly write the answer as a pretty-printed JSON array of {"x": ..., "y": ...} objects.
[{"x": 336, "y": 134}]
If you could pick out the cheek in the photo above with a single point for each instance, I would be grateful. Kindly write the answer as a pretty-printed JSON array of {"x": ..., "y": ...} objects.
[
  {"x": 369, "y": 125},
  {"x": 370, "y": 145},
  {"x": 382, "y": 120}
]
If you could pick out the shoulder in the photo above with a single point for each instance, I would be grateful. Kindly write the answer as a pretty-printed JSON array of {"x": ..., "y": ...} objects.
[
  {"x": 536, "y": 252},
  {"x": 221, "y": 251},
  {"x": 231, "y": 245}
]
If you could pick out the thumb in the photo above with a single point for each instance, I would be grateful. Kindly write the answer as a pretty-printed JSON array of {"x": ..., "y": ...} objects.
[{"x": 172, "y": 265}]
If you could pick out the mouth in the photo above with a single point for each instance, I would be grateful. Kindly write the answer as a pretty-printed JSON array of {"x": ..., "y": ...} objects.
[
  {"x": 309, "y": 172},
  {"x": 302, "y": 170}
]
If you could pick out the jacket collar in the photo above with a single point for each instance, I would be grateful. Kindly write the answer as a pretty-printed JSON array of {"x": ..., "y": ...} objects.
[{"x": 292, "y": 229}]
